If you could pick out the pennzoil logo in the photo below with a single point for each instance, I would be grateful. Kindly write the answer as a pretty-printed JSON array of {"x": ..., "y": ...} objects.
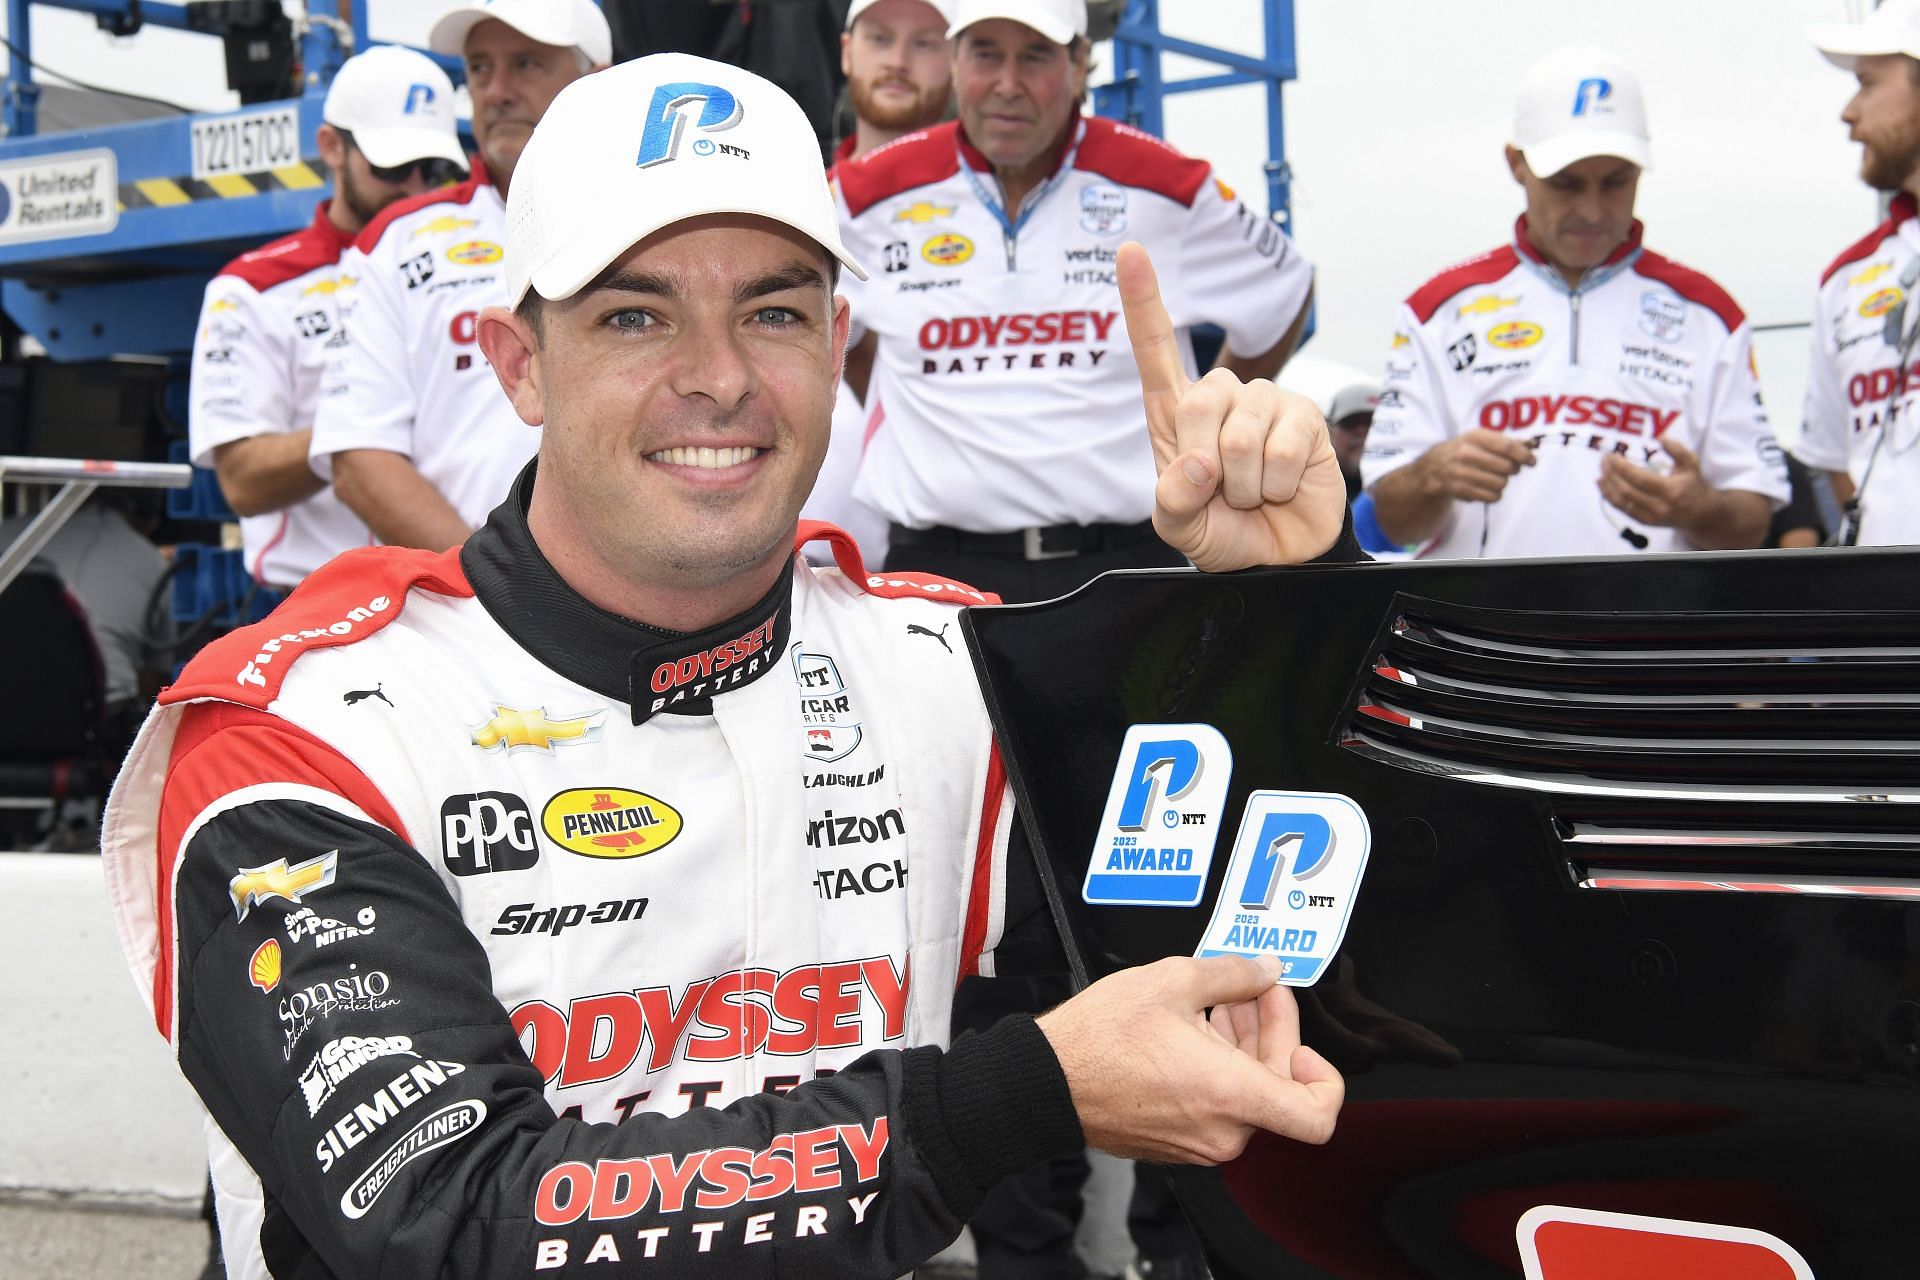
[
  {"x": 444, "y": 223},
  {"x": 514, "y": 730},
  {"x": 1878, "y": 303},
  {"x": 948, "y": 249},
  {"x": 278, "y": 880},
  {"x": 475, "y": 253},
  {"x": 1514, "y": 335},
  {"x": 920, "y": 212},
  {"x": 263, "y": 970},
  {"x": 1487, "y": 305},
  {"x": 330, "y": 286},
  {"x": 610, "y": 822}
]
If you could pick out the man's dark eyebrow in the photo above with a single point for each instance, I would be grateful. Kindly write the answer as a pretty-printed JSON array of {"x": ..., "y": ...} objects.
[
  {"x": 644, "y": 282},
  {"x": 792, "y": 276}
]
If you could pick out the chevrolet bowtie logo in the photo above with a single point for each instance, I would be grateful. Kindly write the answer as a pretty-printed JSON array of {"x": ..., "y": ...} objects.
[
  {"x": 534, "y": 730},
  {"x": 1870, "y": 274},
  {"x": 445, "y": 223},
  {"x": 277, "y": 880},
  {"x": 329, "y": 287},
  {"x": 1491, "y": 303},
  {"x": 921, "y": 212}
]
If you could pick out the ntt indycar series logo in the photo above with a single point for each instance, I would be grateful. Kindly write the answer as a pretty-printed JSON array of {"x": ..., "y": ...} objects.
[{"x": 1162, "y": 818}]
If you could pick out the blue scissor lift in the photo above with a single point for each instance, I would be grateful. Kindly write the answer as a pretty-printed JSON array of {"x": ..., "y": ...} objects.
[{"x": 134, "y": 287}]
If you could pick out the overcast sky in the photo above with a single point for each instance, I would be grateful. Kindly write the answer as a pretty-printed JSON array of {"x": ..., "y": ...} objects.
[{"x": 1395, "y": 129}]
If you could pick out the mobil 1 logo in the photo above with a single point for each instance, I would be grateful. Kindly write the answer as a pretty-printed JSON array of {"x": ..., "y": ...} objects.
[
  {"x": 488, "y": 831},
  {"x": 1291, "y": 881},
  {"x": 1157, "y": 832}
]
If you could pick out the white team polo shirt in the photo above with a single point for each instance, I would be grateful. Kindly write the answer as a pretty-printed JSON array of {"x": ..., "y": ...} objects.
[
  {"x": 1643, "y": 350},
  {"x": 413, "y": 380},
  {"x": 1004, "y": 387},
  {"x": 1855, "y": 394},
  {"x": 267, "y": 325}
]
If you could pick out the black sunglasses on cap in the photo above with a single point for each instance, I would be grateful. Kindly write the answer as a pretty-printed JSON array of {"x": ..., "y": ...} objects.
[{"x": 438, "y": 171}]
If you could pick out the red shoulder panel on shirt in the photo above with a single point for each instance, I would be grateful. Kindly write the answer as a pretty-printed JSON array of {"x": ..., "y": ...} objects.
[
  {"x": 888, "y": 586},
  {"x": 346, "y": 600},
  {"x": 287, "y": 258},
  {"x": 1692, "y": 286},
  {"x": 1455, "y": 280},
  {"x": 459, "y": 193},
  {"x": 1903, "y": 208},
  {"x": 1141, "y": 160},
  {"x": 903, "y": 164}
]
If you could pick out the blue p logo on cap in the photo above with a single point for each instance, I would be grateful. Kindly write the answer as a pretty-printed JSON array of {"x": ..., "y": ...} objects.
[
  {"x": 1591, "y": 91},
  {"x": 667, "y": 119}
]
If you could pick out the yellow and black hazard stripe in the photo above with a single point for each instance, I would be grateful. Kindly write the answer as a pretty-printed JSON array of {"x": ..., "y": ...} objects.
[{"x": 159, "y": 193}]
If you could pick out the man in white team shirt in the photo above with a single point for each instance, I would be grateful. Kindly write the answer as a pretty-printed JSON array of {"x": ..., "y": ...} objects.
[
  {"x": 271, "y": 318},
  {"x": 1006, "y": 446},
  {"x": 1571, "y": 392},
  {"x": 894, "y": 55},
  {"x": 411, "y": 427},
  {"x": 1859, "y": 423}
]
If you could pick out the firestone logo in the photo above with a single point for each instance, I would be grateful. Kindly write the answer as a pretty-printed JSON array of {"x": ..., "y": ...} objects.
[{"x": 251, "y": 673}]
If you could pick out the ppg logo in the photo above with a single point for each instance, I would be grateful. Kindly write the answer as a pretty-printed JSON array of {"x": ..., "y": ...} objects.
[
  {"x": 667, "y": 118},
  {"x": 1590, "y": 94},
  {"x": 1157, "y": 834},
  {"x": 490, "y": 831},
  {"x": 1313, "y": 845},
  {"x": 419, "y": 98}
]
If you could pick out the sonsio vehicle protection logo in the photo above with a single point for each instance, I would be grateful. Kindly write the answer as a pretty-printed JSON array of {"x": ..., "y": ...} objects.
[{"x": 1162, "y": 818}]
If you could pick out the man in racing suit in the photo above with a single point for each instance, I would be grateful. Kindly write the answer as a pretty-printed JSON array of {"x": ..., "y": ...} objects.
[
  {"x": 1859, "y": 423},
  {"x": 411, "y": 429},
  {"x": 1005, "y": 441},
  {"x": 1573, "y": 393},
  {"x": 273, "y": 317},
  {"x": 502, "y": 931}
]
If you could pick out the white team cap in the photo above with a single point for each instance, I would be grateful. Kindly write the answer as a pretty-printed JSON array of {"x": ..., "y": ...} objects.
[
  {"x": 1058, "y": 20},
  {"x": 942, "y": 7},
  {"x": 1577, "y": 102},
  {"x": 1892, "y": 28},
  {"x": 397, "y": 105},
  {"x": 565, "y": 24},
  {"x": 643, "y": 145}
]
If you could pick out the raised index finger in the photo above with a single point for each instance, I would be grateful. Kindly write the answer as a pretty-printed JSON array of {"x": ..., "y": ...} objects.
[{"x": 1162, "y": 374}]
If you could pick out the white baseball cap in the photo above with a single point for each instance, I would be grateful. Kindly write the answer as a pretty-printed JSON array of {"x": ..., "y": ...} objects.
[
  {"x": 1892, "y": 28},
  {"x": 565, "y": 24},
  {"x": 643, "y": 145},
  {"x": 942, "y": 7},
  {"x": 1058, "y": 20},
  {"x": 1577, "y": 102},
  {"x": 397, "y": 105}
]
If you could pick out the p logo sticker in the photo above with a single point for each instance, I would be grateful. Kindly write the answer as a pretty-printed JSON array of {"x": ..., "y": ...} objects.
[
  {"x": 1291, "y": 882},
  {"x": 667, "y": 117},
  {"x": 1162, "y": 818}
]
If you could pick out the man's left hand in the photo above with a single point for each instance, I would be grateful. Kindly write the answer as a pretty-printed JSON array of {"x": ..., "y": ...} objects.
[
  {"x": 1678, "y": 499},
  {"x": 1247, "y": 473}
]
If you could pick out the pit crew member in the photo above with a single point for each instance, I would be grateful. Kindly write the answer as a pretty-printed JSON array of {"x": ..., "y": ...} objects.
[
  {"x": 1573, "y": 392},
  {"x": 411, "y": 428},
  {"x": 1858, "y": 423},
  {"x": 1005, "y": 430},
  {"x": 271, "y": 318},
  {"x": 591, "y": 896},
  {"x": 894, "y": 55}
]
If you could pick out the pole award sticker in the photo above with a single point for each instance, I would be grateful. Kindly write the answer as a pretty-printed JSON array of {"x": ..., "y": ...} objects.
[
  {"x": 1291, "y": 883},
  {"x": 1157, "y": 833}
]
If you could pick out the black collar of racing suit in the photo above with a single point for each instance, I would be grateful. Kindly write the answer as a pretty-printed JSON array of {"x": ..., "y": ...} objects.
[{"x": 648, "y": 668}]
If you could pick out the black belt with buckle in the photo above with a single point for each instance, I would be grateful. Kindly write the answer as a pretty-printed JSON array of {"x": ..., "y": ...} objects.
[{"x": 1054, "y": 542}]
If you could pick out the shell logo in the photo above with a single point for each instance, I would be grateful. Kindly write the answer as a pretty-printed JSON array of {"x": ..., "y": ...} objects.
[
  {"x": 1514, "y": 335},
  {"x": 475, "y": 253},
  {"x": 263, "y": 971},
  {"x": 1878, "y": 303},
  {"x": 948, "y": 250},
  {"x": 610, "y": 822}
]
